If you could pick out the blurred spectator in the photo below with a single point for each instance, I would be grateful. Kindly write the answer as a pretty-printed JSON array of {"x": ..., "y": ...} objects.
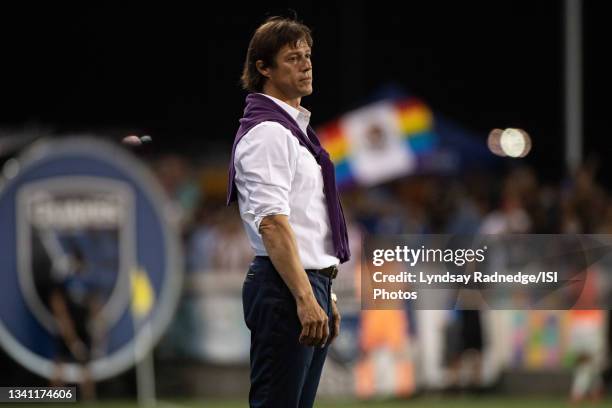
[
  {"x": 464, "y": 348},
  {"x": 510, "y": 214},
  {"x": 218, "y": 242},
  {"x": 176, "y": 177},
  {"x": 74, "y": 303},
  {"x": 584, "y": 203}
]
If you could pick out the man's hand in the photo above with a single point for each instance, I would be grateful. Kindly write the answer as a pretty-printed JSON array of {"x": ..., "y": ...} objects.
[
  {"x": 335, "y": 329},
  {"x": 315, "y": 324}
]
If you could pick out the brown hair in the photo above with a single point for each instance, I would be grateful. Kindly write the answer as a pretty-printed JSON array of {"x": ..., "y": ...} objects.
[{"x": 268, "y": 39}]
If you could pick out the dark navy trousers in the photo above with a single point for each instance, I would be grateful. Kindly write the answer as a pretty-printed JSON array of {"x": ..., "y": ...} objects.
[{"x": 284, "y": 373}]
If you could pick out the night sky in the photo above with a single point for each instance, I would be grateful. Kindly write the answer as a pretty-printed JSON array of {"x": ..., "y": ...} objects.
[{"x": 173, "y": 72}]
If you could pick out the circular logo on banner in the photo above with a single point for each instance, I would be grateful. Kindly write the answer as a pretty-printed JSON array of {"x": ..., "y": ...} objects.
[{"x": 91, "y": 268}]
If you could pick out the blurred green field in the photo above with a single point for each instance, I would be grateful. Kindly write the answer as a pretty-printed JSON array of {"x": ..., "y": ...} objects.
[{"x": 429, "y": 402}]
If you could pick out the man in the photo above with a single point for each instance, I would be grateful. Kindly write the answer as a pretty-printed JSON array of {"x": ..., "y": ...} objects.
[
  {"x": 286, "y": 190},
  {"x": 73, "y": 302}
]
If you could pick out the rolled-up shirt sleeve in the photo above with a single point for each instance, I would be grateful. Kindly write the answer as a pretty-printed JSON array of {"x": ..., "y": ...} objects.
[{"x": 265, "y": 161}]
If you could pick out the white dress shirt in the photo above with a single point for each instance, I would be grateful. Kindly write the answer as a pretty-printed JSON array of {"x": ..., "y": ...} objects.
[{"x": 277, "y": 175}]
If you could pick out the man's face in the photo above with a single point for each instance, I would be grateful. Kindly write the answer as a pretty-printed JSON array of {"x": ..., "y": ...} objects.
[{"x": 292, "y": 73}]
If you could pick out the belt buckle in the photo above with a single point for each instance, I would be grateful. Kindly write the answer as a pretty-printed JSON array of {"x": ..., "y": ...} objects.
[{"x": 334, "y": 272}]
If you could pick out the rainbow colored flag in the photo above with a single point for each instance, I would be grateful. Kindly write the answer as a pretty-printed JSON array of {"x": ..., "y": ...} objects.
[{"x": 380, "y": 141}]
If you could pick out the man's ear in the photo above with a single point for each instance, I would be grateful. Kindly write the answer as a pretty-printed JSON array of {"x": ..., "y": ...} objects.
[{"x": 263, "y": 70}]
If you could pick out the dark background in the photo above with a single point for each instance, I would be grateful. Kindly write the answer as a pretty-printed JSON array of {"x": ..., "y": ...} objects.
[{"x": 173, "y": 71}]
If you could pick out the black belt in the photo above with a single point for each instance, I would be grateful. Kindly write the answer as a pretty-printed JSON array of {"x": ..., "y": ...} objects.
[{"x": 330, "y": 272}]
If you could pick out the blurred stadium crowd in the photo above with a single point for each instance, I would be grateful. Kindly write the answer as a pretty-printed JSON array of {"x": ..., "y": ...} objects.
[{"x": 386, "y": 353}]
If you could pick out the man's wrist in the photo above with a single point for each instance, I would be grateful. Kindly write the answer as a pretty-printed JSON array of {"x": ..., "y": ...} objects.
[
  {"x": 303, "y": 297},
  {"x": 334, "y": 297}
]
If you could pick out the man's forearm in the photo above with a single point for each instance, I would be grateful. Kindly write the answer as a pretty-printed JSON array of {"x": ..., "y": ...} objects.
[
  {"x": 280, "y": 242},
  {"x": 282, "y": 248}
]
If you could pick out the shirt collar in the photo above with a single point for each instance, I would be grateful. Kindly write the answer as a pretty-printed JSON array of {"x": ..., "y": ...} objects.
[{"x": 301, "y": 115}]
